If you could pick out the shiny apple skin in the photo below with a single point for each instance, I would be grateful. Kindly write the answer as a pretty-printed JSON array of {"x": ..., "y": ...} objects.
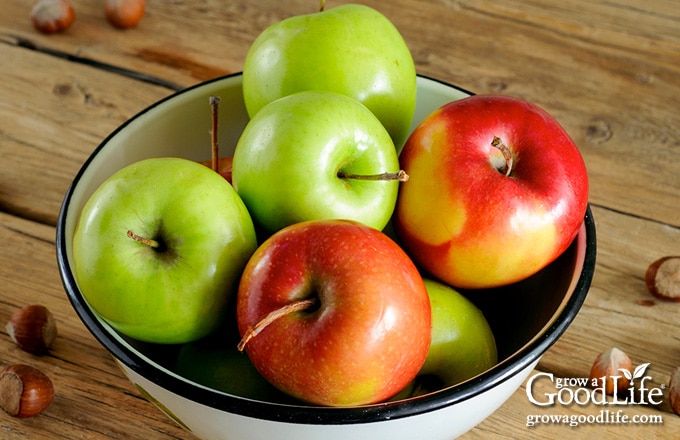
[
  {"x": 467, "y": 223},
  {"x": 463, "y": 344},
  {"x": 286, "y": 163},
  {"x": 369, "y": 335},
  {"x": 169, "y": 296},
  {"x": 350, "y": 49}
]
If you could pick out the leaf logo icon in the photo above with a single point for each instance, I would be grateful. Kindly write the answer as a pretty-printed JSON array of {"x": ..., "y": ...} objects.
[
  {"x": 637, "y": 373},
  {"x": 627, "y": 373},
  {"x": 640, "y": 370}
]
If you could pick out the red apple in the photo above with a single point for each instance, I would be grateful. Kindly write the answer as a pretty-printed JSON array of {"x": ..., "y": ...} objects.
[
  {"x": 333, "y": 312},
  {"x": 497, "y": 191},
  {"x": 223, "y": 166}
]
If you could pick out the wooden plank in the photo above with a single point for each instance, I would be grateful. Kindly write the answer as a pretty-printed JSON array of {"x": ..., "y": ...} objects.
[
  {"x": 573, "y": 58},
  {"x": 612, "y": 316},
  {"x": 609, "y": 72},
  {"x": 616, "y": 310},
  {"x": 44, "y": 141},
  {"x": 93, "y": 399}
]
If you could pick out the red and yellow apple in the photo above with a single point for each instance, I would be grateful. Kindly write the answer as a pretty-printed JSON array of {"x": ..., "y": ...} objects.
[
  {"x": 497, "y": 191},
  {"x": 334, "y": 313}
]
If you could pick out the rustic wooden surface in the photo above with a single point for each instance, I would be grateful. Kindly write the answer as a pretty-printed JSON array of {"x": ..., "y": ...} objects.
[{"x": 608, "y": 71}]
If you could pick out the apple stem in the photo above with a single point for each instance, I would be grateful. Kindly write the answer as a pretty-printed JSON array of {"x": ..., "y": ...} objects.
[
  {"x": 214, "y": 106},
  {"x": 273, "y": 316},
  {"x": 323, "y": 4},
  {"x": 401, "y": 176},
  {"x": 147, "y": 241},
  {"x": 507, "y": 155}
]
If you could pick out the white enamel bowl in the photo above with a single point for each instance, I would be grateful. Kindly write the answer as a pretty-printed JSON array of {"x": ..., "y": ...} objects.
[{"x": 527, "y": 318}]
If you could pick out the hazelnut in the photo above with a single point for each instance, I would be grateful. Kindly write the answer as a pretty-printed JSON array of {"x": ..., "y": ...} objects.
[
  {"x": 32, "y": 328},
  {"x": 50, "y": 16},
  {"x": 124, "y": 14},
  {"x": 25, "y": 391},
  {"x": 609, "y": 364},
  {"x": 674, "y": 391},
  {"x": 663, "y": 278}
]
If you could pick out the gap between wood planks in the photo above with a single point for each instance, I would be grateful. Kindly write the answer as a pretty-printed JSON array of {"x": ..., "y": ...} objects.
[{"x": 26, "y": 43}]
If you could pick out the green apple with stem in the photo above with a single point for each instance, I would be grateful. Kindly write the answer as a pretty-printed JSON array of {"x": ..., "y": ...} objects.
[
  {"x": 313, "y": 156},
  {"x": 350, "y": 49},
  {"x": 463, "y": 344},
  {"x": 213, "y": 364},
  {"x": 159, "y": 249}
]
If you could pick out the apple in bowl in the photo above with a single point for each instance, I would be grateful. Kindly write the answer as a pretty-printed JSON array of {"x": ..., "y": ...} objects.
[
  {"x": 334, "y": 313},
  {"x": 159, "y": 249},
  {"x": 463, "y": 344},
  {"x": 350, "y": 49},
  {"x": 316, "y": 155},
  {"x": 497, "y": 191},
  {"x": 527, "y": 317}
]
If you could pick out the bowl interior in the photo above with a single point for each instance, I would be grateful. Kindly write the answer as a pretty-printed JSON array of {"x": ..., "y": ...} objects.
[{"x": 526, "y": 317}]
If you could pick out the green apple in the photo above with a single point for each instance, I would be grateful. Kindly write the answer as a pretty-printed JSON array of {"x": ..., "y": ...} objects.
[
  {"x": 350, "y": 49},
  {"x": 463, "y": 344},
  {"x": 315, "y": 156},
  {"x": 226, "y": 369},
  {"x": 159, "y": 249}
]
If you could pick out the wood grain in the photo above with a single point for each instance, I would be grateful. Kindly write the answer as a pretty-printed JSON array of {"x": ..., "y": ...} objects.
[{"x": 608, "y": 71}]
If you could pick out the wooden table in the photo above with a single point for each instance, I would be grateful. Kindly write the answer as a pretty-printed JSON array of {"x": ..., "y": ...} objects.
[{"x": 608, "y": 71}]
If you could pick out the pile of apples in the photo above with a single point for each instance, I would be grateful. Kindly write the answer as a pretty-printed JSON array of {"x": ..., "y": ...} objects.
[{"x": 330, "y": 248}]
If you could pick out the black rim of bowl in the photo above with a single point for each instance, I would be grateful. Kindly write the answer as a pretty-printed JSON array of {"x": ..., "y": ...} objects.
[{"x": 311, "y": 414}]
